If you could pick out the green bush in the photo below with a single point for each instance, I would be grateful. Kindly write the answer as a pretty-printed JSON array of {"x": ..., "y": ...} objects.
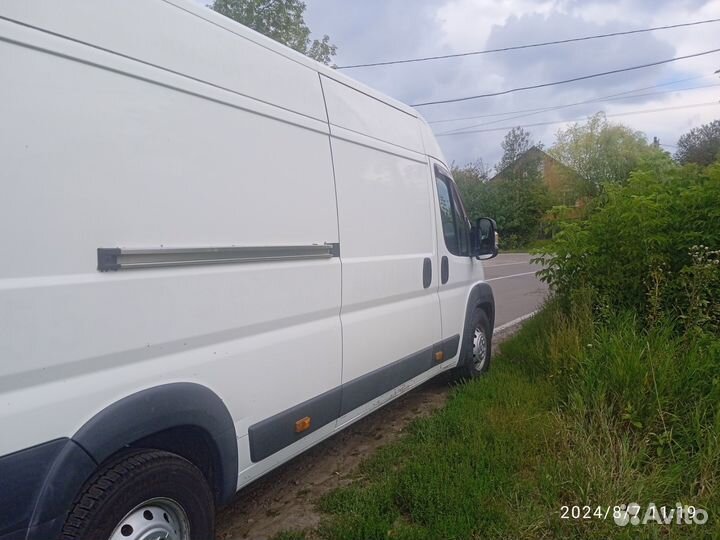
[
  {"x": 649, "y": 245},
  {"x": 516, "y": 202}
]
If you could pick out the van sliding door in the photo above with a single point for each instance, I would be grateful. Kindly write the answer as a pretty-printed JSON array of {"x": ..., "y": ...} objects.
[{"x": 390, "y": 312}]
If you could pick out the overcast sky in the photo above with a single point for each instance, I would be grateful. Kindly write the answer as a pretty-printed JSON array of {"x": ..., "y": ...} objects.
[{"x": 377, "y": 30}]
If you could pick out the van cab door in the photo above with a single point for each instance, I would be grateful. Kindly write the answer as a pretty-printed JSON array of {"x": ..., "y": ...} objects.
[{"x": 458, "y": 270}]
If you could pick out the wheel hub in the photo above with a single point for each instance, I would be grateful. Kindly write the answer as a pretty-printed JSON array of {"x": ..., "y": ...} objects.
[
  {"x": 156, "y": 519},
  {"x": 479, "y": 349}
]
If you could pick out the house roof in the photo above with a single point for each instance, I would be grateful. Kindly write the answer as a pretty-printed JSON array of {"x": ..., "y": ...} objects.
[{"x": 533, "y": 151}]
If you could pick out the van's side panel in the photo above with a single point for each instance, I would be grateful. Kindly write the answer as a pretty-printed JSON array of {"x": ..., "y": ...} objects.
[
  {"x": 99, "y": 151},
  {"x": 179, "y": 40},
  {"x": 350, "y": 109},
  {"x": 386, "y": 233}
]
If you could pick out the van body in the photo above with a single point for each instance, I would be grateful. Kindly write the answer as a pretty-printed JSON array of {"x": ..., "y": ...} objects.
[{"x": 214, "y": 249}]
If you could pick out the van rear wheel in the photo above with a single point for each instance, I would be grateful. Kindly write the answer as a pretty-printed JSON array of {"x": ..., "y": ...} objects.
[
  {"x": 476, "y": 347},
  {"x": 144, "y": 495}
]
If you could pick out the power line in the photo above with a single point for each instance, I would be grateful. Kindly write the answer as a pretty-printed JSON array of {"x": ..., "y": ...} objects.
[
  {"x": 528, "y": 46},
  {"x": 597, "y": 100},
  {"x": 629, "y": 113},
  {"x": 566, "y": 81},
  {"x": 490, "y": 115}
]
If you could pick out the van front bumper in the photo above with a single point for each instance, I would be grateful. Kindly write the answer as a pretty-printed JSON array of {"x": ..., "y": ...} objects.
[{"x": 38, "y": 486}]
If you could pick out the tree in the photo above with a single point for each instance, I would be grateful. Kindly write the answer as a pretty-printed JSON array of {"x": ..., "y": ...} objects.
[
  {"x": 522, "y": 198},
  {"x": 281, "y": 20},
  {"x": 516, "y": 142},
  {"x": 515, "y": 201},
  {"x": 600, "y": 151},
  {"x": 472, "y": 173},
  {"x": 471, "y": 180},
  {"x": 700, "y": 145}
]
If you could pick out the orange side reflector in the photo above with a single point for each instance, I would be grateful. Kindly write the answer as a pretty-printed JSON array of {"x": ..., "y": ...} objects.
[
  {"x": 302, "y": 424},
  {"x": 439, "y": 356}
]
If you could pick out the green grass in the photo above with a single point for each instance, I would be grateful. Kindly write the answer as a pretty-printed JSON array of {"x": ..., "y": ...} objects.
[{"x": 573, "y": 412}]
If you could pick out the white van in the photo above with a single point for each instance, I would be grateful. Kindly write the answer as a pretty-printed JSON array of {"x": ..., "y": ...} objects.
[{"x": 215, "y": 253}]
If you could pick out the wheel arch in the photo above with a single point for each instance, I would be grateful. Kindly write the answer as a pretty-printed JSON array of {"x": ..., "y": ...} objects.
[
  {"x": 163, "y": 416},
  {"x": 481, "y": 295}
]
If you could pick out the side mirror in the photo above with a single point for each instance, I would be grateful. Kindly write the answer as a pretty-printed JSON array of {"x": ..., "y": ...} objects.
[{"x": 484, "y": 237}]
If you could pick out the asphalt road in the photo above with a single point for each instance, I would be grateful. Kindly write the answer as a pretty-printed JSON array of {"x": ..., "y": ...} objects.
[
  {"x": 286, "y": 498},
  {"x": 517, "y": 291}
]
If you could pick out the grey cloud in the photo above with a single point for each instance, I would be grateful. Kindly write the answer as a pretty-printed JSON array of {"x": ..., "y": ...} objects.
[
  {"x": 558, "y": 62},
  {"x": 380, "y": 30},
  {"x": 374, "y": 29},
  {"x": 648, "y": 6}
]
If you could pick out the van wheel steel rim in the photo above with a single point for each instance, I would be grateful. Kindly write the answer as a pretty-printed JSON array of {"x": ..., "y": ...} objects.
[
  {"x": 155, "y": 519},
  {"x": 479, "y": 349}
]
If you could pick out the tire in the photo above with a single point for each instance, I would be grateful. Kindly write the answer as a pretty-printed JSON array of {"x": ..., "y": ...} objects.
[
  {"x": 141, "y": 491},
  {"x": 477, "y": 338}
]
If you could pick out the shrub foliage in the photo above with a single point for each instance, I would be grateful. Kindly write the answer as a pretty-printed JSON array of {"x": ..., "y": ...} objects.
[{"x": 649, "y": 245}]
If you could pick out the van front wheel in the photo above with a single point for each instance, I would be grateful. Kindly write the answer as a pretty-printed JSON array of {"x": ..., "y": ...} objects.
[
  {"x": 143, "y": 495},
  {"x": 476, "y": 347}
]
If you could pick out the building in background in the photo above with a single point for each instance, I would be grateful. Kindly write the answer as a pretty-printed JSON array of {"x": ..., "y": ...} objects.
[{"x": 561, "y": 180}]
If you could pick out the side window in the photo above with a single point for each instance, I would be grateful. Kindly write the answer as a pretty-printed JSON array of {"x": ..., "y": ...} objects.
[
  {"x": 447, "y": 215},
  {"x": 452, "y": 214},
  {"x": 462, "y": 222}
]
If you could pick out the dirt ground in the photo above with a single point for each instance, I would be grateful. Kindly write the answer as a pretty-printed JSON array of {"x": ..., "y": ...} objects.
[{"x": 285, "y": 498}]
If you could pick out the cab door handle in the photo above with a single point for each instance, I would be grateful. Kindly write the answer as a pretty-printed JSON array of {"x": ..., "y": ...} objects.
[
  {"x": 427, "y": 273},
  {"x": 444, "y": 270}
]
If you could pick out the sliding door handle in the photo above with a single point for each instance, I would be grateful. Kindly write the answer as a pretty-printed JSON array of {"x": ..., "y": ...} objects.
[
  {"x": 427, "y": 273},
  {"x": 444, "y": 270}
]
